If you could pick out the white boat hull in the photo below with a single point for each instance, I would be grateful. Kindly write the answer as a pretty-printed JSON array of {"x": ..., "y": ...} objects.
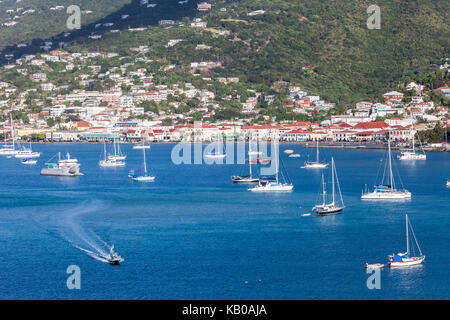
[
  {"x": 215, "y": 156},
  {"x": 412, "y": 156},
  {"x": 144, "y": 179},
  {"x": 27, "y": 155},
  {"x": 272, "y": 187},
  {"x": 407, "y": 262},
  {"x": 394, "y": 195},
  {"x": 141, "y": 147},
  {"x": 315, "y": 166},
  {"x": 109, "y": 164}
]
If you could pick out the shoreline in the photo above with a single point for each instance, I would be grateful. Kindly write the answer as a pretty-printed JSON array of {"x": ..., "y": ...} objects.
[{"x": 307, "y": 144}]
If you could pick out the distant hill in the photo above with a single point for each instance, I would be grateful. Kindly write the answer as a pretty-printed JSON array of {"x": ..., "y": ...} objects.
[{"x": 323, "y": 46}]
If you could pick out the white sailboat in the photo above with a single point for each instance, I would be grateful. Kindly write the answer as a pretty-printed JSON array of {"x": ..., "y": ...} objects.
[
  {"x": 142, "y": 178},
  {"x": 412, "y": 154},
  {"x": 26, "y": 153},
  {"x": 334, "y": 207},
  {"x": 405, "y": 259},
  {"x": 107, "y": 162},
  {"x": 273, "y": 185},
  {"x": 245, "y": 179},
  {"x": 9, "y": 150},
  {"x": 118, "y": 155},
  {"x": 215, "y": 155},
  {"x": 317, "y": 164},
  {"x": 387, "y": 191}
]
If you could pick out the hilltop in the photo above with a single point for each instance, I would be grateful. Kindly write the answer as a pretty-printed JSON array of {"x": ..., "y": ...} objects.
[{"x": 325, "y": 47}]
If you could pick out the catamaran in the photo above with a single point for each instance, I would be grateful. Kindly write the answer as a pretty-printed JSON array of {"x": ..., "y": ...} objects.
[
  {"x": 273, "y": 185},
  {"x": 317, "y": 164},
  {"x": 406, "y": 259},
  {"x": 387, "y": 191},
  {"x": 245, "y": 179},
  {"x": 107, "y": 162},
  {"x": 118, "y": 155},
  {"x": 145, "y": 177},
  {"x": 411, "y": 154},
  {"x": 68, "y": 167},
  {"x": 334, "y": 207}
]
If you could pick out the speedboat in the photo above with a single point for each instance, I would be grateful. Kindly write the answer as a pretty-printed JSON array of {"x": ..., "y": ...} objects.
[
  {"x": 113, "y": 258},
  {"x": 141, "y": 146},
  {"x": 448, "y": 183},
  {"x": 373, "y": 266},
  {"x": 294, "y": 155},
  {"x": 29, "y": 161},
  {"x": 288, "y": 151}
]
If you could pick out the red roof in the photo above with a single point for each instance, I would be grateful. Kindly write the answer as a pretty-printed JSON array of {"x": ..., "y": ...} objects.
[
  {"x": 371, "y": 125},
  {"x": 82, "y": 124}
]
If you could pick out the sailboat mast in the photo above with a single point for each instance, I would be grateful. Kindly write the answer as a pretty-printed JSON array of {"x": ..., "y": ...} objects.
[
  {"x": 332, "y": 177},
  {"x": 250, "y": 165},
  {"x": 317, "y": 152},
  {"x": 12, "y": 132},
  {"x": 145, "y": 163},
  {"x": 407, "y": 235},
  {"x": 323, "y": 189},
  {"x": 390, "y": 164},
  {"x": 104, "y": 148}
]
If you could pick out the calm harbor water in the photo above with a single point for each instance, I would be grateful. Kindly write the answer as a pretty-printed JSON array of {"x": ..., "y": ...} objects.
[{"x": 192, "y": 234}]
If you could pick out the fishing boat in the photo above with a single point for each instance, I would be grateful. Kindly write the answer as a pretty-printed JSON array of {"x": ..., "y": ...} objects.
[
  {"x": 273, "y": 185},
  {"x": 144, "y": 177},
  {"x": 107, "y": 162},
  {"x": 334, "y": 207},
  {"x": 217, "y": 154},
  {"x": 29, "y": 161},
  {"x": 245, "y": 179},
  {"x": 117, "y": 155},
  {"x": 412, "y": 154},
  {"x": 68, "y": 167},
  {"x": 26, "y": 153},
  {"x": 406, "y": 259},
  {"x": 387, "y": 191},
  {"x": 316, "y": 164}
]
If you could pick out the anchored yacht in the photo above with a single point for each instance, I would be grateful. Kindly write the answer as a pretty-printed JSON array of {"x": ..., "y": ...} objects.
[{"x": 68, "y": 167}]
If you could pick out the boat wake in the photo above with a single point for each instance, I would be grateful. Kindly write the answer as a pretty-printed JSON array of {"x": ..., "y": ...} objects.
[{"x": 67, "y": 225}]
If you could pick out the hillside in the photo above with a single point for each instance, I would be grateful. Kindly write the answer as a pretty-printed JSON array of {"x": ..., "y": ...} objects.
[{"x": 350, "y": 62}]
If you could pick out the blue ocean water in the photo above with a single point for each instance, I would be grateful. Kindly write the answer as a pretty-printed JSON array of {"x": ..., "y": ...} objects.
[{"x": 192, "y": 234}]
